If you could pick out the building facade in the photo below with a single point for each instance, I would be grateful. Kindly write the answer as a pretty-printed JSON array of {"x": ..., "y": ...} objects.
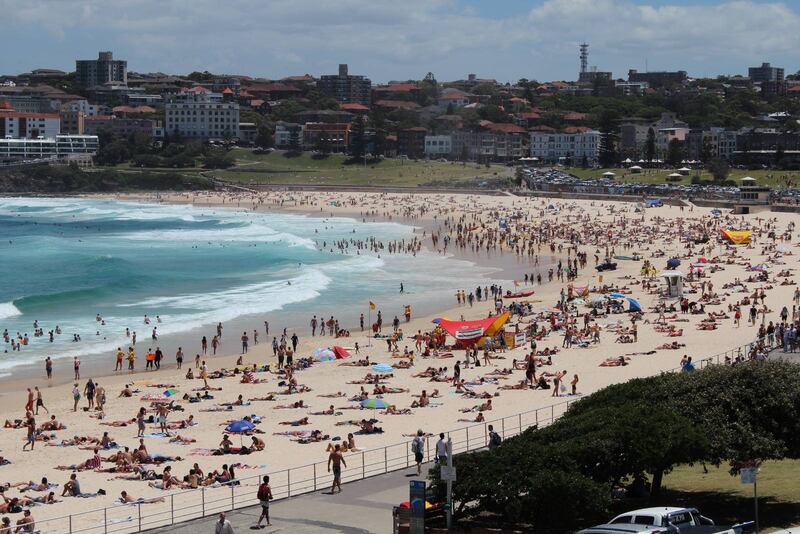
[
  {"x": 59, "y": 147},
  {"x": 765, "y": 73},
  {"x": 554, "y": 147},
  {"x": 73, "y": 122},
  {"x": 437, "y": 146},
  {"x": 336, "y": 135},
  {"x": 16, "y": 125},
  {"x": 411, "y": 142},
  {"x": 104, "y": 69},
  {"x": 121, "y": 127},
  {"x": 659, "y": 79},
  {"x": 198, "y": 113},
  {"x": 346, "y": 88}
]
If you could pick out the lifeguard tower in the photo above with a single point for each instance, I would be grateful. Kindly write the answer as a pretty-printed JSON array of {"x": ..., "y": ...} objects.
[
  {"x": 753, "y": 198},
  {"x": 674, "y": 280}
]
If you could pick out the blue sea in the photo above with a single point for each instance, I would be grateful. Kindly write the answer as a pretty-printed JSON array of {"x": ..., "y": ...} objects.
[{"x": 66, "y": 260}]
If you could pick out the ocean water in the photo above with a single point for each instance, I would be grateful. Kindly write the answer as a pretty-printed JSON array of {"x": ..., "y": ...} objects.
[{"x": 65, "y": 260}]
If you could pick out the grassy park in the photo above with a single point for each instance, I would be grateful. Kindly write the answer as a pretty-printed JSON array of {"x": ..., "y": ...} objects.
[{"x": 277, "y": 168}]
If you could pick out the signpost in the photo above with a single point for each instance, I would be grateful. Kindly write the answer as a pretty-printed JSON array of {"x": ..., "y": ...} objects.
[
  {"x": 416, "y": 494},
  {"x": 750, "y": 476},
  {"x": 448, "y": 474}
]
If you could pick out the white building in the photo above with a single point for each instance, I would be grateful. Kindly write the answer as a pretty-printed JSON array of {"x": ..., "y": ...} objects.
[
  {"x": 59, "y": 146},
  {"x": 438, "y": 145},
  {"x": 283, "y": 133},
  {"x": 556, "y": 147},
  {"x": 29, "y": 125},
  {"x": 83, "y": 106},
  {"x": 200, "y": 114}
]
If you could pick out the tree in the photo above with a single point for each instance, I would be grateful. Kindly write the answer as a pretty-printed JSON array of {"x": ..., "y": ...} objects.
[
  {"x": 706, "y": 152},
  {"x": 584, "y": 162},
  {"x": 295, "y": 143},
  {"x": 217, "y": 158},
  {"x": 650, "y": 145},
  {"x": 674, "y": 152},
  {"x": 264, "y": 137},
  {"x": 719, "y": 169},
  {"x": 357, "y": 139}
]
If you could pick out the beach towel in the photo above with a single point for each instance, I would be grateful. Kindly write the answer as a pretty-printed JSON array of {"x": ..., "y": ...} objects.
[
  {"x": 155, "y": 435},
  {"x": 202, "y": 452}
]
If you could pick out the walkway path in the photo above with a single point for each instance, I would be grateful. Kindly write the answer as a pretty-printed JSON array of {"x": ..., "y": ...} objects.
[{"x": 364, "y": 507}]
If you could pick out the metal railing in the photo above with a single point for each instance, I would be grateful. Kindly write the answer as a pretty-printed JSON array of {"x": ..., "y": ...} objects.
[{"x": 185, "y": 505}]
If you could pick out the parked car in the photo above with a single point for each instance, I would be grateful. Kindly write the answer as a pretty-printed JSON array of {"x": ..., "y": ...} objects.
[
  {"x": 623, "y": 528},
  {"x": 663, "y": 517}
]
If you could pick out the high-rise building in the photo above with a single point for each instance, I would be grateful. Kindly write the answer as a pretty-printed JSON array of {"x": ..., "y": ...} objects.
[
  {"x": 765, "y": 73},
  {"x": 200, "y": 114},
  {"x": 104, "y": 69},
  {"x": 346, "y": 88}
]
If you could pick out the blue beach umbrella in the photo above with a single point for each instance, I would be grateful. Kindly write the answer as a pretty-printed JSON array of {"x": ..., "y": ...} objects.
[
  {"x": 634, "y": 305},
  {"x": 240, "y": 427},
  {"x": 382, "y": 368},
  {"x": 617, "y": 295}
]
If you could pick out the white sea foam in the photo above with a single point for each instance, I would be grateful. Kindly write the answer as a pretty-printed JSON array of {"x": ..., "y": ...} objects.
[{"x": 7, "y": 309}]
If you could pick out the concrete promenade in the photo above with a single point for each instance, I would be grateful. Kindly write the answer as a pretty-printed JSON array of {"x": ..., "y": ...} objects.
[{"x": 364, "y": 507}]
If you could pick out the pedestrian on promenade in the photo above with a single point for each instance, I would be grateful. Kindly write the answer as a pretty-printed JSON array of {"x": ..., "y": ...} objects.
[
  {"x": 264, "y": 496},
  {"x": 418, "y": 448},
  {"x": 337, "y": 460},
  {"x": 223, "y": 526},
  {"x": 441, "y": 450}
]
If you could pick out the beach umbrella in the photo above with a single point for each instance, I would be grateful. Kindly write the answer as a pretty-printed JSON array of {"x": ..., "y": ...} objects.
[
  {"x": 240, "y": 427},
  {"x": 340, "y": 352},
  {"x": 382, "y": 368},
  {"x": 672, "y": 263},
  {"x": 617, "y": 295},
  {"x": 702, "y": 259},
  {"x": 634, "y": 305},
  {"x": 436, "y": 321},
  {"x": 374, "y": 404},
  {"x": 170, "y": 392},
  {"x": 324, "y": 353}
]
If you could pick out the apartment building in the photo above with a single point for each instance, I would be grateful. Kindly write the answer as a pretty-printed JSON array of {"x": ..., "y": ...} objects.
[
  {"x": 346, "y": 88},
  {"x": 15, "y": 125},
  {"x": 437, "y": 146},
  {"x": 104, "y": 69},
  {"x": 59, "y": 146},
  {"x": 555, "y": 147},
  {"x": 197, "y": 113},
  {"x": 121, "y": 126},
  {"x": 336, "y": 135}
]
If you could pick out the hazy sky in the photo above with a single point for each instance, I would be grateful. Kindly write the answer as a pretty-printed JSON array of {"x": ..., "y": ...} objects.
[{"x": 399, "y": 39}]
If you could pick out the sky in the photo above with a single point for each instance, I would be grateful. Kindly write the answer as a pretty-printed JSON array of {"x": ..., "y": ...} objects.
[{"x": 403, "y": 39}]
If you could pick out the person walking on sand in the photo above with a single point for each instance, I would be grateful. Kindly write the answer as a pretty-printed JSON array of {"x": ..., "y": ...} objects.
[
  {"x": 39, "y": 401},
  {"x": 76, "y": 364},
  {"x": 29, "y": 402},
  {"x": 245, "y": 339},
  {"x": 264, "y": 496},
  {"x": 76, "y": 396},
  {"x": 48, "y": 368},
  {"x": 336, "y": 458}
]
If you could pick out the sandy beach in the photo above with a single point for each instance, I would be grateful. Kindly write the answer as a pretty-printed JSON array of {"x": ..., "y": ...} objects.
[{"x": 507, "y": 235}]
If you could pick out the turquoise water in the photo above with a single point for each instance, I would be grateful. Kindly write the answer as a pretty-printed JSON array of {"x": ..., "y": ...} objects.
[{"x": 66, "y": 260}]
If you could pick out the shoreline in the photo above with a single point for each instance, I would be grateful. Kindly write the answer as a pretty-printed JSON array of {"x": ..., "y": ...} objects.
[{"x": 498, "y": 267}]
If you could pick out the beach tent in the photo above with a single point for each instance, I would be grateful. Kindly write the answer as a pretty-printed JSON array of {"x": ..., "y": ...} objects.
[
  {"x": 340, "y": 353},
  {"x": 633, "y": 305},
  {"x": 654, "y": 202},
  {"x": 617, "y": 295},
  {"x": 684, "y": 171},
  {"x": 673, "y": 263},
  {"x": 469, "y": 332},
  {"x": 635, "y": 169},
  {"x": 324, "y": 355},
  {"x": 737, "y": 237},
  {"x": 608, "y": 174}
]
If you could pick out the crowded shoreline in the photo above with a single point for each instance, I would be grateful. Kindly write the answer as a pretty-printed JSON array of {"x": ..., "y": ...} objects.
[{"x": 297, "y": 413}]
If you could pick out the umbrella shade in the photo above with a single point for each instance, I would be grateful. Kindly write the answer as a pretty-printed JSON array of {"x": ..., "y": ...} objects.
[
  {"x": 374, "y": 404},
  {"x": 239, "y": 427},
  {"x": 170, "y": 392},
  {"x": 672, "y": 263},
  {"x": 382, "y": 368},
  {"x": 319, "y": 353},
  {"x": 617, "y": 295},
  {"x": 634, "y": 305}
]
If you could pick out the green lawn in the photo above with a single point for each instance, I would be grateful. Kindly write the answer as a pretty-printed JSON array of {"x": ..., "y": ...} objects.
[
  {"x": 725, "y": 499},
  {"x": 276, "y": 168},
  {"x": 772, "y": 178}
]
